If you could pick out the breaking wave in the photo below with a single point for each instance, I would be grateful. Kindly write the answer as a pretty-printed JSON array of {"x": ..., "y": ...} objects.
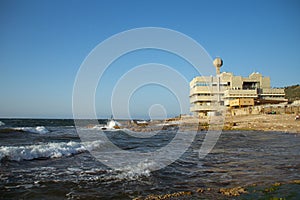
[
  {"x": 47, "y": 150},
  {"x": 136, "y": 172},
  {"x": 38, "y": 129},
  {"x": 2, "y": 123},
  {"x": 130, "y": 173}
]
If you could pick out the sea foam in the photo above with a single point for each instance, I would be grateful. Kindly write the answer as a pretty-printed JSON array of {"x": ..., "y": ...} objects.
[
  {"x": 2, "y": 123},
  {"x": 47, "y": 150},
  {"x": 142, "y": 169},
  {"x": 37, "y": 129}
]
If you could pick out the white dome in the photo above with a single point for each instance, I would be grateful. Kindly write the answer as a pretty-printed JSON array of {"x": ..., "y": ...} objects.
[{"x": 218, "y": 62}]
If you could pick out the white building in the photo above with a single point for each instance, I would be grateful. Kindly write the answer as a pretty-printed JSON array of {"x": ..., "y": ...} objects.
[{"x": 208, "y": 92}]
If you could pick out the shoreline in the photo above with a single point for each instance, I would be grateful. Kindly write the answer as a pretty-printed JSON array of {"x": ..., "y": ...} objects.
[
  {"x": 265, "y": 122},
  {"x": 274, "y": 190},
  {"x": 251, "y": 122},
  {"x": 259, "y": 122},
  {"x": 255, "y": 122}
]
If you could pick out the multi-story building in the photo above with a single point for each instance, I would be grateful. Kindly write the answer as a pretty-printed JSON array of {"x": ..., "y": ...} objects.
[{"x": 209, "y": 92}]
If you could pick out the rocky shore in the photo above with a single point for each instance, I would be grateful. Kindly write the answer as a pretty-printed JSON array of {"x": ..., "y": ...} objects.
[
  {"x": 265, "y": 122},
  {"x": 278, "y": 190},
  {"x": 259, "y": 122}
]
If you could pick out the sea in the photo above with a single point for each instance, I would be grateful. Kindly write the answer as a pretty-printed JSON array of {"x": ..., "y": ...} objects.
[{"x": 46, "y": 159}]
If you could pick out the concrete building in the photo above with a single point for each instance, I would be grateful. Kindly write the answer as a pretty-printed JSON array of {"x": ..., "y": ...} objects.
[
  {"x": 209, "y": 92},
  {"x": 241, "y": 102}
]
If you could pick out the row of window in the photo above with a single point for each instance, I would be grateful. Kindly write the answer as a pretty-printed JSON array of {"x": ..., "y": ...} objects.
[
  {"x": 209, "y": 103},
  {"x": 242, "y": 102},
  {"x": 272, "y": 96},
  {"x": 244, "y": 95},
  {"x": 209, "y": 84},
  {"x": 208, "y": 94}
]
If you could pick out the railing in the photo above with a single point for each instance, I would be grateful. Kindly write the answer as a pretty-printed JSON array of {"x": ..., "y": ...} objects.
[
  {"x": 273, "y": 91},
  {"x": 206, "y": 90},
  {"x": 274, "y": 98},
  {"x": 240, "y": 93},
  {"x": 196, "y": 108},
  {"x": 203, "y": 98}
]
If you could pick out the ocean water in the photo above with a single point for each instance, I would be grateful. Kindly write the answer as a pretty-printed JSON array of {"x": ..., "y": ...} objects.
[{"x": 45, "y": 159}]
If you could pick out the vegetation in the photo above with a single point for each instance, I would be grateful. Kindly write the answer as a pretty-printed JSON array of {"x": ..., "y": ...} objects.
[{"x": 292, "y": 93}]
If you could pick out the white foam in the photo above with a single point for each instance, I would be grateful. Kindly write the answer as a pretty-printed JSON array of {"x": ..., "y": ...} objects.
[
  {"x": 2, "y": 123},
  {"x": 47, "y": 150},
  {"x": 38, "y": 129},
  {"x": 135, "y": 172},
  {"x": 109, "y": 126},
  {"x": 170, "y": 123}
]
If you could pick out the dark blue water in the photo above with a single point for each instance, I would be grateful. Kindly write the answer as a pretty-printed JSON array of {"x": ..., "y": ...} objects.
[{"x": 45, "y": 159}]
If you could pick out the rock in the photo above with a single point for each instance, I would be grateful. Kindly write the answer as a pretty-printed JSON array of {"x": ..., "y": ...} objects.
[
  {"x": 200, "y": 190},
  {"x": 237, "y": 191},
  {"x": 168, "y": 196},
  {"x": 296, "y": 181},
  {"x": 277, "y": 184}
]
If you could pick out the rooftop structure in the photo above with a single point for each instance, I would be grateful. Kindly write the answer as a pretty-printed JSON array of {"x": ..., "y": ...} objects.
[{"x": 209, "y": 92}]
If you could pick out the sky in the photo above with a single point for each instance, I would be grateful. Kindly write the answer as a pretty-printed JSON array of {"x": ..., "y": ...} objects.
[{"x": 43, "y": 44}]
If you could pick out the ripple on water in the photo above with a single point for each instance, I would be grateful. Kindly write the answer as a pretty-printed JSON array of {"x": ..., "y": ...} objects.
[{"x": 238, "y": 158}]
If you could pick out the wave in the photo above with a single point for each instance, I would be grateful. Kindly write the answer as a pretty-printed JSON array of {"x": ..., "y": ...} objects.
[
  {"x": 37, "y": 129},
  {"x": 128, "y": 172},
  {"x": 2, "y": 123},
  {"x": 47, "y": 150},
  {"x": 142, "y": 169}
]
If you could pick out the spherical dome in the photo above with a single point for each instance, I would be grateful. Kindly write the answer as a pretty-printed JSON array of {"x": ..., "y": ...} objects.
[{"x": 218, "y": 62}]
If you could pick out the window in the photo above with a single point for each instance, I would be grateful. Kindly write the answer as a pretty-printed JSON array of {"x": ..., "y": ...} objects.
[{"x": 202, "y": 84}]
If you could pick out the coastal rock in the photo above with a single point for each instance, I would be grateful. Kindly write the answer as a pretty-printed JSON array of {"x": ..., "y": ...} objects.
[
  {"x": 237, "y": 191},
  {"x": 167, "y": 196}
]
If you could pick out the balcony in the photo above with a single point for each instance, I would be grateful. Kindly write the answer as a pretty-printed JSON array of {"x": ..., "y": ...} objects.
[
  {"x": 273, "y": 91},
  {"x": 200, "y": 89},
  {"x": 196, "y": 98},
  {"x": 240, "y": 94},
  {"x": 206, "y": 90},
  {"x": 202, "y": 108}
]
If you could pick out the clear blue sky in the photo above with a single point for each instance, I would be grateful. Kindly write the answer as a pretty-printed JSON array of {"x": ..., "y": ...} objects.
[{"x": 43, "y": 43}]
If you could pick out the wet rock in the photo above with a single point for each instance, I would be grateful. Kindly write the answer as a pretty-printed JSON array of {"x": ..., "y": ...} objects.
[
  {"x": 237, "y": 191},
  {"x": 296, "y": 181},
  {"x": 137, "y": 198},
  {"x": 200, "y": 190},
  {"x": 167, "y": 196},
  {"x": 277, "y": 184}
]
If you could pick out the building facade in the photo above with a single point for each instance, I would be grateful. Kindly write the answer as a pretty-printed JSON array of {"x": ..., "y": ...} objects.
[
  {"x": 241, "y": 102},
  {"x": 209, "y": 92}
]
